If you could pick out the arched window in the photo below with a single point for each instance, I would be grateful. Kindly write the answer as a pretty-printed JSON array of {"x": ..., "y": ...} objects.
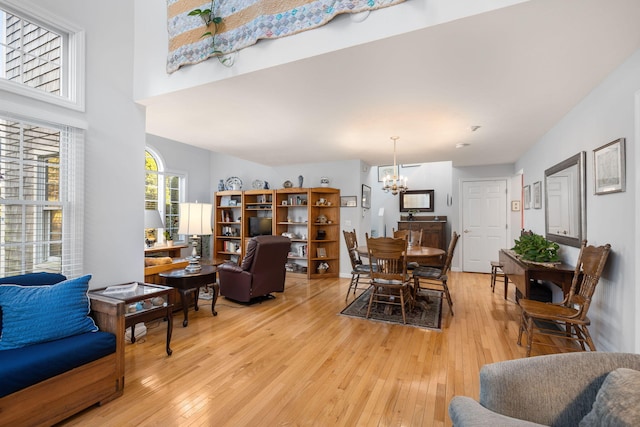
[{"x": 163, "y": 191}]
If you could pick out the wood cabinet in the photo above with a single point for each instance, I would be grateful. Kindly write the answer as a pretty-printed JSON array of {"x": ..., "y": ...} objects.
[
  {"x": 310, "y": 217},
  {"x": 434, "y": 232}
]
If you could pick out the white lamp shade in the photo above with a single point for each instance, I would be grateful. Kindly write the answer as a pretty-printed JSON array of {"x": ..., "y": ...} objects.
[
  {"x": 152, "y": 219},
  {"x": 195, "y": 218}
]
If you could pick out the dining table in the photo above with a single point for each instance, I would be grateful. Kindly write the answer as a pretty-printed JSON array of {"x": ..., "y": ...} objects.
[{"x": 423, "y": 255}]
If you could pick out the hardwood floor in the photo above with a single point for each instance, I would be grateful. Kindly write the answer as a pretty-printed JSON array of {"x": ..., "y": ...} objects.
[{"x": 294, "y": 361}]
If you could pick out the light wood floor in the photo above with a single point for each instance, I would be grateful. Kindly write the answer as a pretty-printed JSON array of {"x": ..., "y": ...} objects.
[{"x": 293, "y": 361}]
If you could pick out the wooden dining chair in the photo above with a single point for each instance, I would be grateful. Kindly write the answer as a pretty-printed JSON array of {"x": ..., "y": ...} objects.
[
  {"x": 390, "y": 283},
  {"x": 436, "y": 277},
  {"x": 400, "y": 234},
  {"x": 359, "y": 270},
  {"x": 567, "y": 321}
]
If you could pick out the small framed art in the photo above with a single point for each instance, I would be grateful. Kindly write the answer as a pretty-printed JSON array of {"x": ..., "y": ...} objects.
[
  {"x": 526, "y": 191},
  {"x": 537, "y": 195},
  {"x": 349, "y": 201},
  {"x": 384, "y": 171},
  {"x": 609, "y": 167}
]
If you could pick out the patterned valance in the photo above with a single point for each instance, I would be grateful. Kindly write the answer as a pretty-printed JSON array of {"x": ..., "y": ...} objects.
[{"x": 247, "y": 21}]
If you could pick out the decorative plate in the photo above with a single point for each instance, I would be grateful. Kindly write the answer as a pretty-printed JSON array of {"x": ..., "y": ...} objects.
[
  {"x": 233, "y": 183},
  {"x": 258, "y": 184}
]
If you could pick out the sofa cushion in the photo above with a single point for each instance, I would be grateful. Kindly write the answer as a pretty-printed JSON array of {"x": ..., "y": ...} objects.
[
  {"x": 617, "y": 400},
  {"x": 34, "y": 314},
  {"x": 26, "y": 366}
]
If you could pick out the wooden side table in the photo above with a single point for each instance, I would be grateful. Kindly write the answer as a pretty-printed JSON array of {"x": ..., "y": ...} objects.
[
  {"x": 145, "y": 295},
  {"x": 187, "y": 283}
]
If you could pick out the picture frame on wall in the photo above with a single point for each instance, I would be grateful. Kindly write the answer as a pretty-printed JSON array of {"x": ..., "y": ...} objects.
[
  {"x": 609, "y": 168},
  {"x": 526, "y": 190},
  {"x": 383, "y": 171},
  {"x": 366, "y": 196},
  {"x": 537, "y": 195},
  {"x": 349, "y": 201}
]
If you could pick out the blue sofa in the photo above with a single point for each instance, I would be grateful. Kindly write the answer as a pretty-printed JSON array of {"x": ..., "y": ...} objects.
[{"x": 61, "y": 350}]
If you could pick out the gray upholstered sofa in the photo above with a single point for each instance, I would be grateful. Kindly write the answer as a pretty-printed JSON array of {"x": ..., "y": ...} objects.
[{"x": 555, "y": 390}]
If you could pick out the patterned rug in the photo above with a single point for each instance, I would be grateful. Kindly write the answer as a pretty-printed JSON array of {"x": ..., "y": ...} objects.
[{"x": 426, "y": 315}]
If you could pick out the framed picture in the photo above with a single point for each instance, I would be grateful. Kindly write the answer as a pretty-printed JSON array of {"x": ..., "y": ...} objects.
[
  {"x": 526, "y": 190},
  {"x": 383, "y": 171},
  {"x": 366, "y": 196},
  {"x": 349, "y": 201},
  {"x": 609, "y": 167},
  {"x": 322, "y": 253},
  {"x": 537, "y": 195}
]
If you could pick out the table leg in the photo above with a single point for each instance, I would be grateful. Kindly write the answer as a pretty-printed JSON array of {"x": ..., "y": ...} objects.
[
  {"x": 184, "y": 293},
  {"x": 196, "y": 295},
  {"x": 216, "y": 291},
  {"x": 169, "y": 328},
  {"x": 133, "y": 333}
]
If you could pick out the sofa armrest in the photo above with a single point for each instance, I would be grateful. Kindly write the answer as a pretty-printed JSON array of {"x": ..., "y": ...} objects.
[
  {"x": 230, "y": 267},
  {"x": 552, "y": 389},
  {"x": 466, "y": 412},
  {"x": 108, "y": 314}
]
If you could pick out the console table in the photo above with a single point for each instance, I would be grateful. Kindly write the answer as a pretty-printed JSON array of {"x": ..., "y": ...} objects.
[{"x": 522, "y": 273}]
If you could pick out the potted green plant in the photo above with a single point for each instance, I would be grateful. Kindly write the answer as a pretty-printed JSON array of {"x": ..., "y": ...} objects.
[
  {"x": 534, "y": 247},
  {"x": 168, "y": 238},
  {"x": 211, "y": 21}
]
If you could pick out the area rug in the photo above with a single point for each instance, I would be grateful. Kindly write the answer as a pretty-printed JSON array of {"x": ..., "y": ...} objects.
[{"x": 426, "y": 313}]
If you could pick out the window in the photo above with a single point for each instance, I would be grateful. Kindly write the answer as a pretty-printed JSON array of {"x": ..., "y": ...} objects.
[
  {"x": 163, "y": 191},
  {"x": 41, "y": 201},
  {"x": 39, "y": 59}
]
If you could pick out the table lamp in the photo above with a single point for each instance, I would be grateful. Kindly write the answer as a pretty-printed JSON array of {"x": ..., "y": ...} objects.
[
  {"x": 195, "y": 220},
  {"x": 152, "y": 221}
]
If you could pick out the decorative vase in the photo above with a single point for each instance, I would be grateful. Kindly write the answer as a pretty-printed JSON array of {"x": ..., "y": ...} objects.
[
  {"x": 300, "y": 180},
  {"x": 221, "y": 185},
  {"x": 324, "y": 181}
]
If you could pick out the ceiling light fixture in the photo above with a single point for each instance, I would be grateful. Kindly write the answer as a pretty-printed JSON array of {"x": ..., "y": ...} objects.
[
  {"x": 462, "y": 144},
  {"x": 395, "y": 183}
]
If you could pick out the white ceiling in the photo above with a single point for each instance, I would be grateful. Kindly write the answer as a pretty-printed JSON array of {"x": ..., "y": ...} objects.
[{"x": 515, "y": 72}]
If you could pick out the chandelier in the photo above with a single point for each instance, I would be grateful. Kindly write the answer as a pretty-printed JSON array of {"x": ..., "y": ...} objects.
[{"x": 395, "y": 183}]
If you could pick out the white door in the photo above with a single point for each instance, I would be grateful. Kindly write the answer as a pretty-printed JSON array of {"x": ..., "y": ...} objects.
[{"x": 484, "y": 223}]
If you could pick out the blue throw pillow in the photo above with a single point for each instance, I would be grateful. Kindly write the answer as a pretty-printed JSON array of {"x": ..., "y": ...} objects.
[{"x": 34, "y": 314}]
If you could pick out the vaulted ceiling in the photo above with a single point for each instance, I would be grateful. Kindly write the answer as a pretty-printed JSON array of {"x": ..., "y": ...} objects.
[{"x": 515, "y": 72}]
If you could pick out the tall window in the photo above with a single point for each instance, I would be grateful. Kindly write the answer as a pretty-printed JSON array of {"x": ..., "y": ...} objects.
[
  {"x": 163, "y": 191},
  {"x": 38, "y": 58},
  {"x": 41, "y": 198}
]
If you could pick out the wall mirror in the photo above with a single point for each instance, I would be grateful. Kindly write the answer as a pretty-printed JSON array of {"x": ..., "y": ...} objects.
[
  {"x": 416, "y": 200},
  {"x": 565, "y": 201}
]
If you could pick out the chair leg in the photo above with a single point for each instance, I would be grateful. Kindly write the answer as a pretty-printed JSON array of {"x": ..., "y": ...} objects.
[
  {"x": 448, "y": 295},
  {"x": 404, "y": 317},
  {"x": 493, "y": 278},
  {"x": 353, "y": 284},
  {"x": 373, "y": 291},
  {"x": 522, "y": 323},
  {"x": 529, "y": 335}
]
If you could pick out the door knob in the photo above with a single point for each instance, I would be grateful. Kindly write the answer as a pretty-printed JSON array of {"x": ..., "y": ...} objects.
[{"x": 466, "y": 231}]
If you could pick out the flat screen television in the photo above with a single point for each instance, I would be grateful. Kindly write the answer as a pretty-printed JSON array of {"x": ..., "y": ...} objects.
[{"x": 259, "y": 226}]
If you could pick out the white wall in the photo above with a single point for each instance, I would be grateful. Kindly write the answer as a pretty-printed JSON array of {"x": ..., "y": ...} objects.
[
  {"x": 607, "y": 113},
  {"x": 114, "y": 152},
  {"x": 151, "y": 78}
]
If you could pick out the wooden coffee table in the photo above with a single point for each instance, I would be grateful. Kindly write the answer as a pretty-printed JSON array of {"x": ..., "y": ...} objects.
[{"x": 186, "y": 283}]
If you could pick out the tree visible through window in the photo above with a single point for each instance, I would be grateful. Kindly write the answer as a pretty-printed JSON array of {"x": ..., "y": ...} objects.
[{"x": 163, "y": 192}]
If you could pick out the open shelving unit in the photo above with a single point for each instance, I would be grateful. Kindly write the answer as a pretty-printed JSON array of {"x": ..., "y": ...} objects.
[{"x": 310, "y": 217}]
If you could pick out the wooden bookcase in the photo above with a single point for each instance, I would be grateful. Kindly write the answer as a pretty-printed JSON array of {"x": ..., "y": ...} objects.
[
  {"x": 310, "y": 217},
  {"x": 228, "y": 231}
]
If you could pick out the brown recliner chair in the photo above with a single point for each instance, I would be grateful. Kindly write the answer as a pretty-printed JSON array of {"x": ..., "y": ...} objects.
[{"x": 261, "y": 272}]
